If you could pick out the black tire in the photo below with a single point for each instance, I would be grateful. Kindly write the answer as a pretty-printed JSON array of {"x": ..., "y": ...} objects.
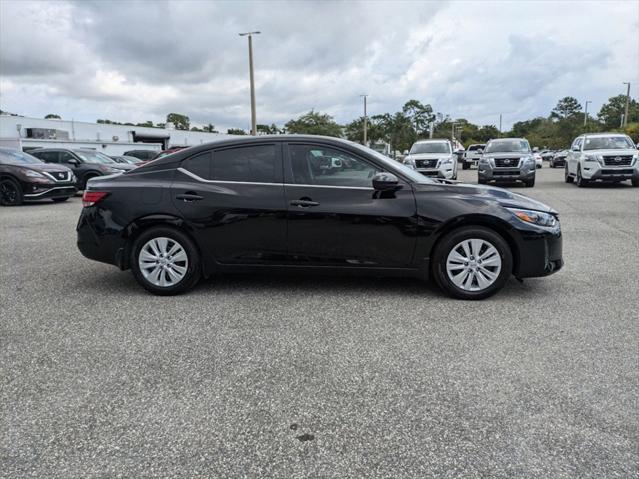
[
  {"x": 10, "y": 193},
  {"x": 567, "y": 177},
  {"x": 193, "y": 268},
  {"x": 481, "y": 181},
  {"x": 530, "y": 183},
  {"x": 634, "y": 182},
  {"x": 59, "y": 200},
  {"x": 453, "y": 239},
  {"x": 86, "y": 179},
  {"x": 465, "y": 166},
  {"x": 581, "y": 183}
]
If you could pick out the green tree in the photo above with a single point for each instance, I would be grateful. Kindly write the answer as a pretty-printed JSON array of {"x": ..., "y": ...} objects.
[
  {"x": 52, "y": 116},
  {"x": 354, "y": 130},
  {"x": 314, "y": 123},
  {"x": 210, "y": 128},
  {"x": 147, "y": 123},
  {"x": 271, "y": 129},
  {"x": 611, "y": 111},
  {"x": 566, "y": 107},
  {"x": 397, "y": 130},
  {"x": 420, "y": 116},
  {"x": 235, "y": 131},
  {"x": 181, "y": 122}
]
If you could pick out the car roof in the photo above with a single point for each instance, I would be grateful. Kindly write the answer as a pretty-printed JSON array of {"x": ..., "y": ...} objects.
[
  {"x": 604, "y": 134},
  {"x": 502, "y": 139},
  {"x": 432, "y": 140}
]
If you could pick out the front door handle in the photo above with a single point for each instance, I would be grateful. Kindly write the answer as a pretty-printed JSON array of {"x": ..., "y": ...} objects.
[
  {"x": 189, "y": 196},
  {"x": 304, "y": 203}
]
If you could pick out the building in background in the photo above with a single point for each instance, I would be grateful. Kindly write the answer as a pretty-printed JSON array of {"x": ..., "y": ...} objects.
[{"x": 26, "y": 133}]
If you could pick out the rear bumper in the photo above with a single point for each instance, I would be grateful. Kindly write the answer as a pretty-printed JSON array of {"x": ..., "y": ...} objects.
[{"x": 98, "y": 240}]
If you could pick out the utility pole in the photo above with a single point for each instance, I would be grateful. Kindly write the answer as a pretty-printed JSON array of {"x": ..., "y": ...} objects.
[
  {"x": 586, "y": 113},
  {"x": 625, "y": 114},
  {"x": 250, "y": 46},
  {"x": 365, "y": 118},
  {"x": 500, "y": 124}
]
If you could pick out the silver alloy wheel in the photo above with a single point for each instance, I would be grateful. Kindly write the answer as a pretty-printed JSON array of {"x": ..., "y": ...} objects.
[
  {"x": 163, "y": 262},
  {"x": 473, "y": 265}
]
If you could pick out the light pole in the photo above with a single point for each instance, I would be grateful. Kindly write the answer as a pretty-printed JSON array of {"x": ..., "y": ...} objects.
[
  {"x": 625, "y": 114},
  {"x": 365, "y": 118},
  {"x": 250, "y": 45},
  {"x": 586, "y": 112},
  {"x": 500, "y": 124}
]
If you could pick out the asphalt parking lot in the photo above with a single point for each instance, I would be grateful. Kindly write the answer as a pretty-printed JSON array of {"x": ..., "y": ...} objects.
[{"x": 262, "y": 376}]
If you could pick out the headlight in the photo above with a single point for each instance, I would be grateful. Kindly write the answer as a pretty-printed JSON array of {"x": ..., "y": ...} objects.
[
  {"x": 535, "y": 217},
  {"x": 409, "y": 162},
  {"x": 33, "y": 174},
  {"x": 446, "y": 161},
  {"x": 485, "y": 159},
  {"x": 597, "y": 158},
  {"x": 636, "y": 160},
  {"x": 108, "y": 169}
]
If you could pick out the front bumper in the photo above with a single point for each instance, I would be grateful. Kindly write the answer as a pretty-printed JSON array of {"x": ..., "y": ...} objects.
[
  {"x": 37, "y": 191},
  {"x": 540, "y": 254},
  {"x": 594, "y": 171},
  {"x": 505, "y": 174},
  {"x": 438, "y": 173}
]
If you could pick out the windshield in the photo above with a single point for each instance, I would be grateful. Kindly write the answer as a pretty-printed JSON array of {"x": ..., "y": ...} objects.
[
  {"x": 16, "y": 157},
  {"x": 394, "y": 165},
  {"x": 94, "y": 157},
  {"x": 507, "y": 146},
  {"x": 430, "y": 147},
  {"x": 475, "y": 147},
  {"x": 608, "y": 143}
]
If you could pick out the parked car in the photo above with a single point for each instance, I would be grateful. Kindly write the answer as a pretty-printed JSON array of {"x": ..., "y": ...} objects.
[
  {"x": 507, "y": 160},
  {"x": 559, "y": 159},
  {"x": 433, "y": 158},
  {"x": 85, "y": 164},
  {"x": 607, "y": 157},
  {"x": 258, "y": 204},
  {"x": 142, "y": 154},
  {"x": 472, "y": 155},
  {"x": 128, "y": 160},
  {"x": 25, "y": 178},
  {"x": 547, "y": 155},
  {"x": 539, "y": 163},
  {"x": 169, "y": 151}
]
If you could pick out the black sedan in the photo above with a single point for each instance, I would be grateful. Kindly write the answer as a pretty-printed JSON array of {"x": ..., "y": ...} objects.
[
  {"x": 263, "y": 203},
  {"x": 559, "y": 159},
  {"x": 26, "y": 178}
]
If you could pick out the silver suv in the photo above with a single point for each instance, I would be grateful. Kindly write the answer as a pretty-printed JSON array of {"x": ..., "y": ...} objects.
[
  {"x": 609, "y": 157},
  {"x": 472, "y": 155},
  {"x": 507, "y": 160},
  {"x": 433, "y": 158}
]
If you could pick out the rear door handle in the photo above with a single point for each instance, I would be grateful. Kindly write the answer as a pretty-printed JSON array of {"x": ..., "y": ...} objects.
[
  {"x": 304, "y": 203},
  {"x": 189, "y": 197}
]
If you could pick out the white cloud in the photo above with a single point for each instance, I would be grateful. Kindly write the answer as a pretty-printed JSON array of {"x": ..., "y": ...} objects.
[{"x": 137, "y": 61}]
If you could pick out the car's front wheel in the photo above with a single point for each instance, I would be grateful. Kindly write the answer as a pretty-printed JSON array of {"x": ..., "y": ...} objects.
[
  {"x": 165, "y": 261},
  {"x": 567, "y": 177},
  {"x": 634, "y": 182},
  {"x": 10, "y": 193},
  {"x": 581, "y": 181},
  {"x": 472, "y": 262}
]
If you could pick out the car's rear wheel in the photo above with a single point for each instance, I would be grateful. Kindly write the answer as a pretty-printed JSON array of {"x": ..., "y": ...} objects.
[
  {"x": 165, "y": 261},
  {"x": 10, "y": 193},
  {"x": 567, "y": 177},
  {"x": 472, "y": 262}
]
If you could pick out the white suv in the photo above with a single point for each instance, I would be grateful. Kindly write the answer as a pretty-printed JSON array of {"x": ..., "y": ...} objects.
[
  {"x": 609, "y": 157},
  {"x": 433, "y": 158}
]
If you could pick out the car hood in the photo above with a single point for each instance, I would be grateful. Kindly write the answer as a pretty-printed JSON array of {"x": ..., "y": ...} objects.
[
  {"x": 501, "y": 196},
  {"x": 512, "y": 154},
  {"x": 429, "y": 156},
  {"x": 48, "y": 167},
  {"x": 626, "y": 152}
]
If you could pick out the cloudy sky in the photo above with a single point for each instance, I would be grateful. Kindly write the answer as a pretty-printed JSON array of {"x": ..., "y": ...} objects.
[{"x": 138, "y": 61}]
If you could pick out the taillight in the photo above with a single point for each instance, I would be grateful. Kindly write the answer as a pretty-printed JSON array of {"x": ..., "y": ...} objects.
[{"x": 89, "y": 198}]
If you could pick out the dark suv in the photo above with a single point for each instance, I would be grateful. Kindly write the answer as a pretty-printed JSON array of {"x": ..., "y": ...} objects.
[
  {"x": 26, "y": 178},
  {"x": 86, "y": 164},
  {"x": 261, "y": 203}
]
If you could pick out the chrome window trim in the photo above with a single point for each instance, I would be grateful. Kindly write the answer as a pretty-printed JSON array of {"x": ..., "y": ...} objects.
[{"x": 196, "y": 177}]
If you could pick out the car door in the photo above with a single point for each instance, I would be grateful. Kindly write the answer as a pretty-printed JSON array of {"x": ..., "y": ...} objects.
[
  {"x": 574, "y": 153},
  {"x": 336, "y": 218},
  {"x": 233, "y": 198}
]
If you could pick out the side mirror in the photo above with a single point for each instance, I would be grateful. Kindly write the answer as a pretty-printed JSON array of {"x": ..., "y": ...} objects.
[
  {"x": 73, "y": 161},
  {"x": 575, "y": 148},
  {"x": 383, "y": 181}
]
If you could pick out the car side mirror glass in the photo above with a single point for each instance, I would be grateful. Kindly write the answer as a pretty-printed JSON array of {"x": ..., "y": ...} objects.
[
  {"x": 73, "y": 161},
  {"x": 384, "y": 181},
  {"x": 575, "y": 148}
]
